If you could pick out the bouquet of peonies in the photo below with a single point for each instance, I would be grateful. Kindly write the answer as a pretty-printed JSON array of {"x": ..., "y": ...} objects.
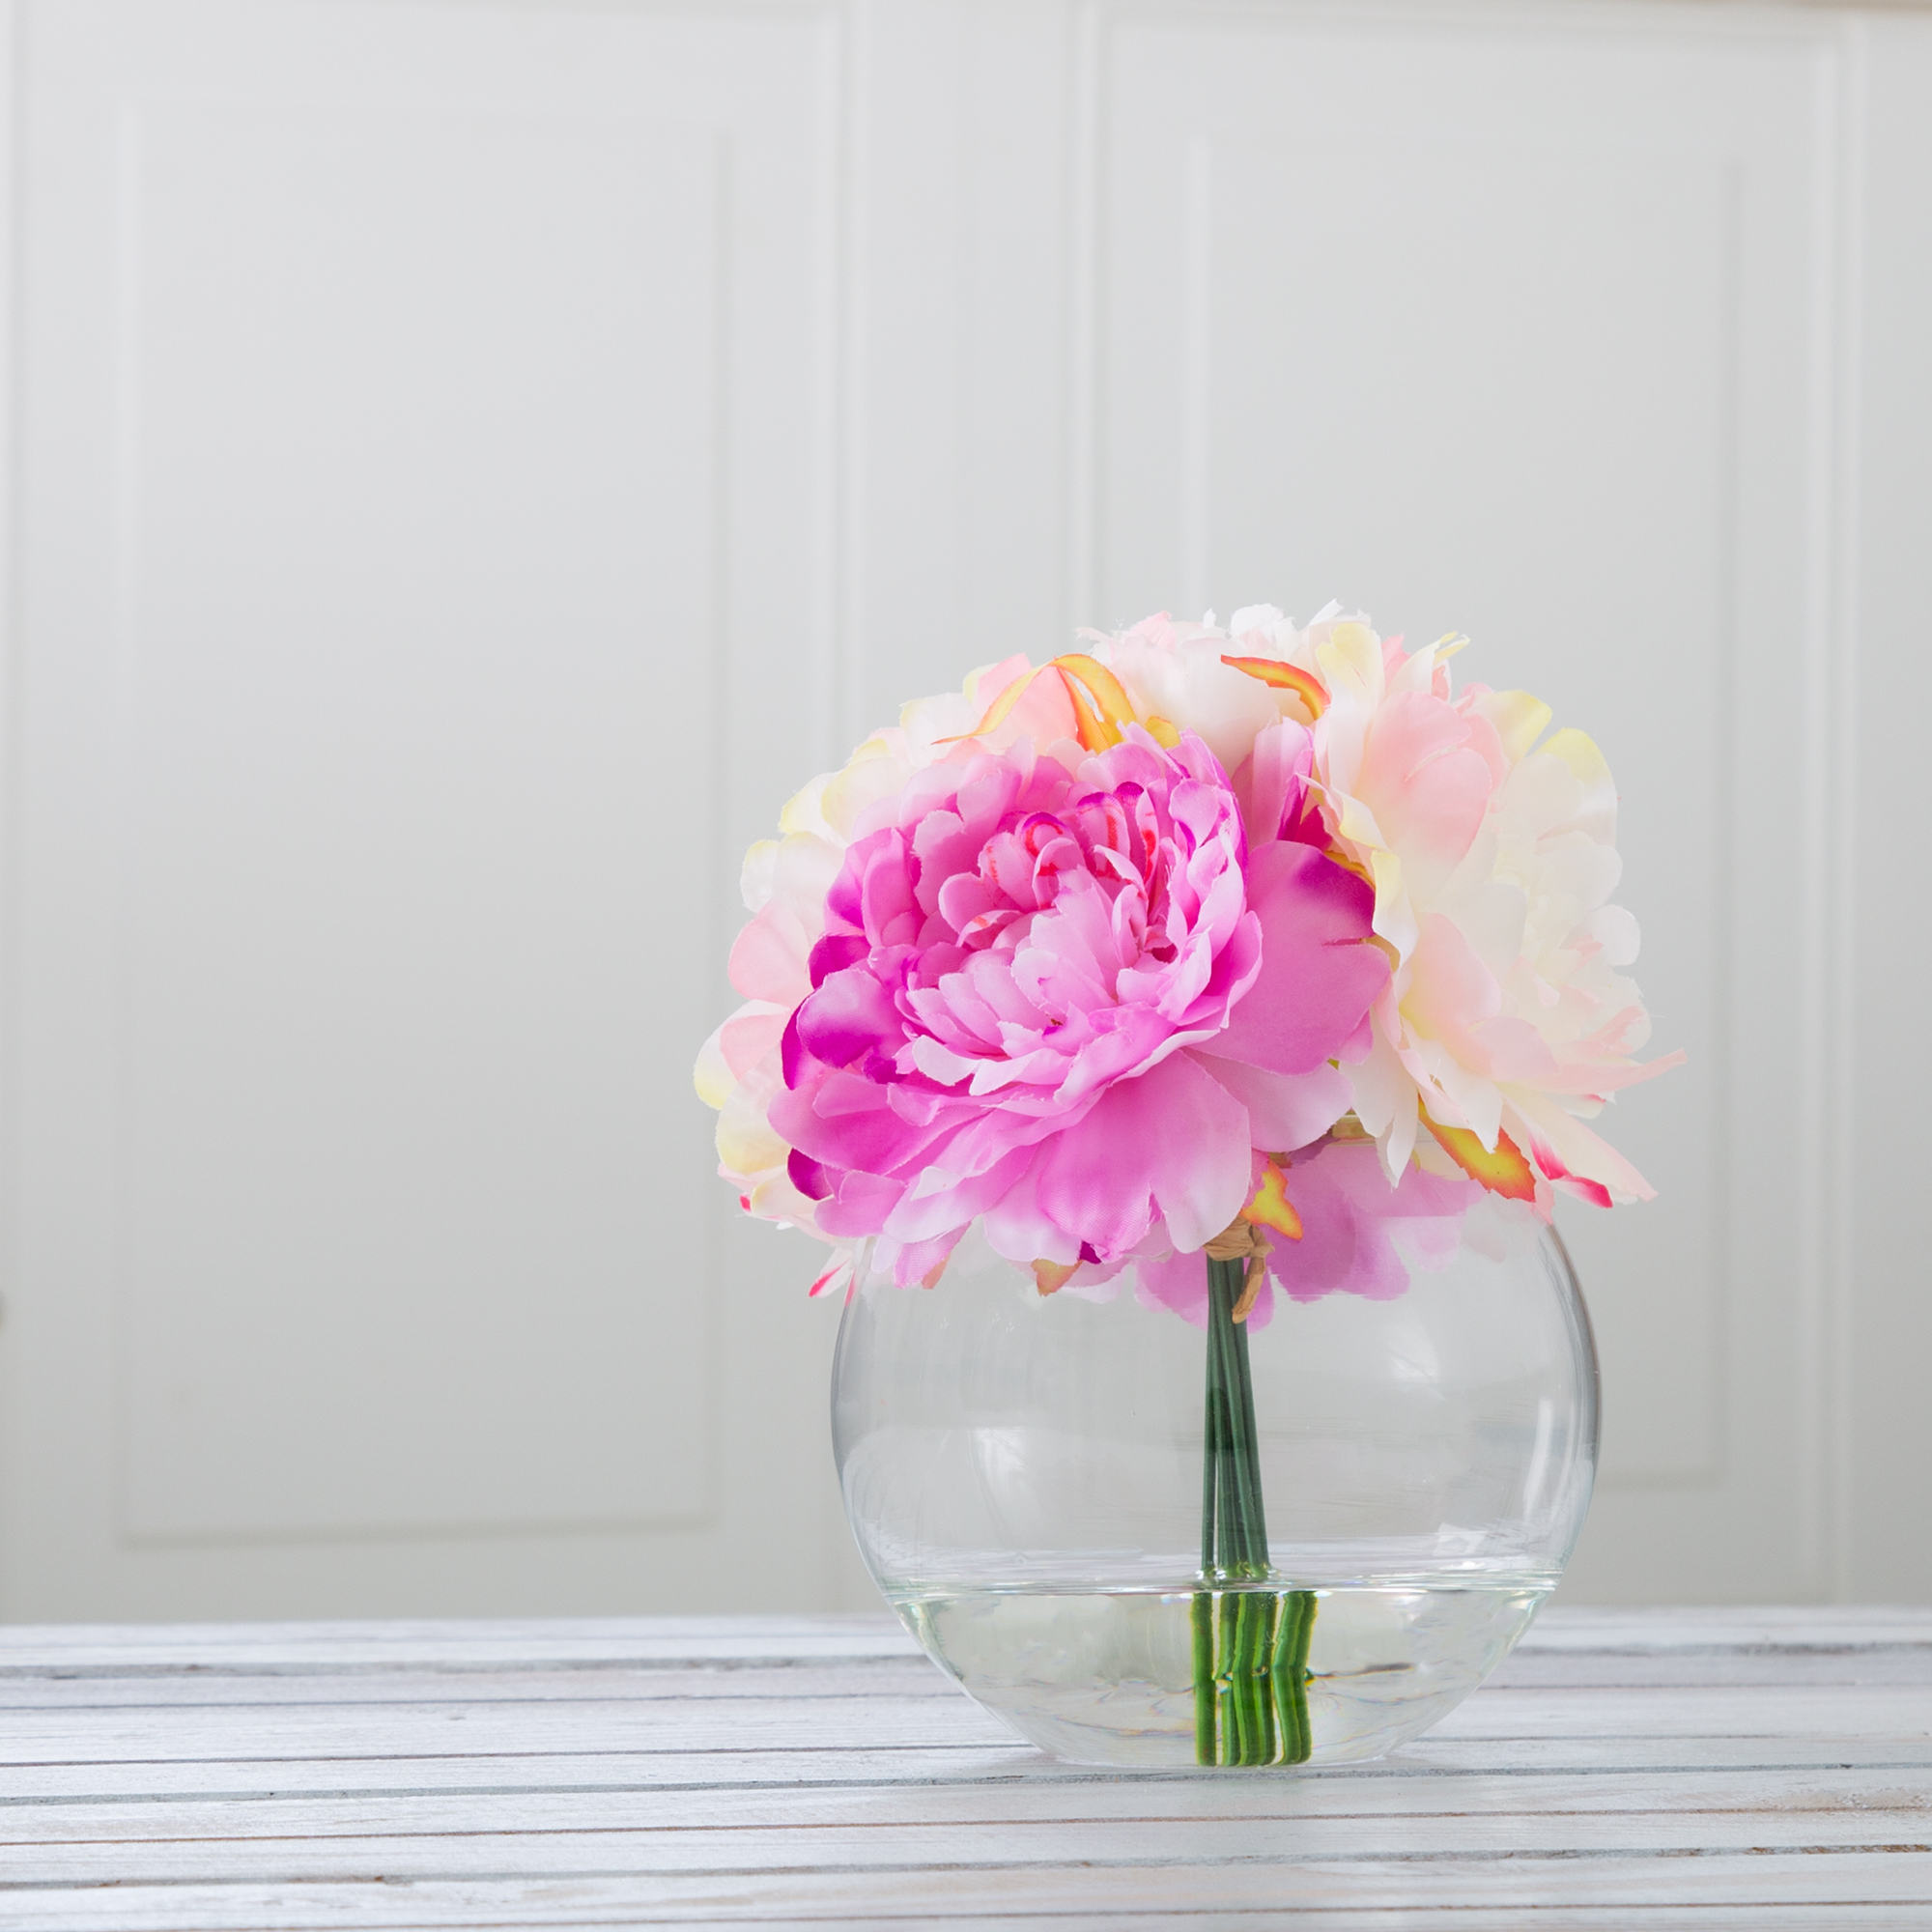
[
  {"x": 1240, "y": 960},
  {"x": 1257, "y": 942}
]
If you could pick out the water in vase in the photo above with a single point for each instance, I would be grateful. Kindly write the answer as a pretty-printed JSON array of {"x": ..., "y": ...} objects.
[{"x": 1120, "y": 1677}]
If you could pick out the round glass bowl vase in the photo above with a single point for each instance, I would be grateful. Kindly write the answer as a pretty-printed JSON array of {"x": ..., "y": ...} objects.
[{"x": 1024, "y": 1475}]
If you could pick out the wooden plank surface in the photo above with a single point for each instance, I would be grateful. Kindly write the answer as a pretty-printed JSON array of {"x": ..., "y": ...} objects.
[{"x": 1652, "y": 1768}]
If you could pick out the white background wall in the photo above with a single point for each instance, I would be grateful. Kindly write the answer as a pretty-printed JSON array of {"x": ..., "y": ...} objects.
[{"x": 469, "y": 461}]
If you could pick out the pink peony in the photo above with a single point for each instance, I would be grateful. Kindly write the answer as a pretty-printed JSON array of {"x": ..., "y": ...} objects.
[
  {"x": 1359, "y": 1234},
  {"x": 1068, "y": 997}
]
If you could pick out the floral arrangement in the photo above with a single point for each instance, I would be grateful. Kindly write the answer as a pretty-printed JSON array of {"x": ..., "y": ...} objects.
[
  {"x": 1247, "y": 959},
  {"x": 1261, "y": 942}
]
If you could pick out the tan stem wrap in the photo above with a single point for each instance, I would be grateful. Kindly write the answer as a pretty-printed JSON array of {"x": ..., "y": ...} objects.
[{"x": 1242, "y": 1240}]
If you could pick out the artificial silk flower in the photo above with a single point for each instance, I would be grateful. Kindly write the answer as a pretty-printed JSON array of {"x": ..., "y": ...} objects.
[
  {"x": 784, "y": 883},
  {"x": 1507, "y": 1023},
  {"x": 1355, "y": 1234},
  {"x": 1066, "y": 999},
  {"x": 1083, "y": 953}
]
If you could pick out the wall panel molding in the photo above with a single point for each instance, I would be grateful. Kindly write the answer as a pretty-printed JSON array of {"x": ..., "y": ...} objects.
[
  {"x": 1593, "y": 328},
  {"x": 1719, "y": 1381},
  {"x": 426, "y": 412}
]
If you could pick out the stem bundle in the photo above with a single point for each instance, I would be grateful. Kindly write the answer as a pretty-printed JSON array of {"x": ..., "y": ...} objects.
[{"x": 1250, "y": 1645}]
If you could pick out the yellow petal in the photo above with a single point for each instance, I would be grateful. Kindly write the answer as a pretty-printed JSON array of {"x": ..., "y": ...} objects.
[
  {"x": 996, "y": 712},
  {"x": 1519, "y": 720},
  {"x": 1101, "y": 706},
  {"x": 713, "y": 1076},
  {"x": 1351, "y": 655},
  {"x": 1506, "y": 1170},
  {"x": 747, "y": 1143},
  {"x": 1394, "y": 916},
  {"x": 1283, "y": 676},
  {"x": 1579, "y": 750},
  {"x": 872, "y": 772},
  {"x": 1596, "y": 811},
  {"x": 803, "y": 810},
  {"x": 1272, "y": 1207}
]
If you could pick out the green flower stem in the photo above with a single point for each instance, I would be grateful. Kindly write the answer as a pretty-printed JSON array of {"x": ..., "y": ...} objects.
[
  {"x": 1206, "y": 1727},
  {"x": 1250, "y": 1645},
  {"x": 1251, "y": 1663},
  {"x": 1249, "y": 1438},
  {"x": 1227, "y": 1682},
  {"x": 1290, "y": 1674},
  {"x": 1204, "y": 1677},
  {"x": 1245, "y": 1548},
  {"x": 1266, "y": 1605}
]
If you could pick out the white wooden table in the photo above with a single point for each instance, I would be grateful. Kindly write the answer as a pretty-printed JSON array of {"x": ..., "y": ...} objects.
[{"x": 1757, "y": 1768}]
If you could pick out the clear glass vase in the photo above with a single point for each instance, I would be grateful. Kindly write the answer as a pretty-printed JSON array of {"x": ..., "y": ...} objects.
[{"x": 1024, "y": 1473}]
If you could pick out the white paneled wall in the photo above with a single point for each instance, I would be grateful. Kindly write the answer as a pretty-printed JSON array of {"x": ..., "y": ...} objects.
[
  {"x": 471, "y": 461},
  {"x": 424, "y": 558}
]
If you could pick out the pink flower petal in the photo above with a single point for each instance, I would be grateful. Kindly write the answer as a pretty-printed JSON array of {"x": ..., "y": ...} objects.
[
  {"x": 768, "y": 958},
  {"x": 1349, "y": 1213},
  {"x": 1426, "y": 774},
  {"x": 747, "y": 1037},
  {"x": 1179, "y": 1283},
  {"x": 1171, "y": 1143},
  {"x": 1317, "y": 980},
  {"x": 1285, "y": 1110},
  {"x": 1569, "y": 1153}
]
